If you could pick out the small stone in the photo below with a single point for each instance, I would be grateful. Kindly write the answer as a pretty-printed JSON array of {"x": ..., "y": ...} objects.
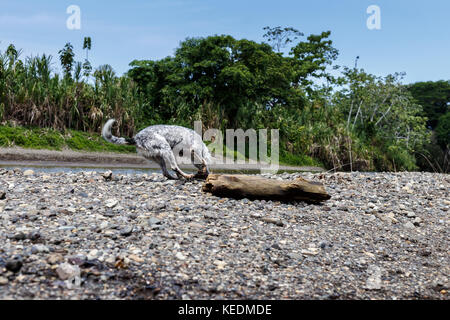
[
  {"x": 55, "y": 258},
  {"x": 126, "y": 231},
  {"x": 111, "y": 203},
  {"x": 208, "y": 215},
  {"x": 33, "y": 236},
  {"x": 19, "y": 236},
  {"x": 409, "y": 225},
  {"x": 77, "y": 259},
  {"x": 14, "y": 265},
  {"x": 136, "y": 258},
  {"x": 417, "y": 221},
  {"x": 212, "y": 232},
  {"x": 294, "y": 256},
  {"x": 39, "y": 248},
  {"x": 220, "y": 264},
  {"x": 153, "y": 221},
  {"x": 425, "y": 252},
  {"x": 373, "y": 282},
  {"x": 273, "y": 221},
  {"x": 2, "y": 195},
  {"x": 410, "y": 214},
  {"x": 3, "y": 281},
  {"x": 67, "y": 271},
  {"x": 92, "y": 254},
  {"x": 180, "y": 256},
  {"x": 310, "y": 252},
  {"x": 28, "y": 172}
]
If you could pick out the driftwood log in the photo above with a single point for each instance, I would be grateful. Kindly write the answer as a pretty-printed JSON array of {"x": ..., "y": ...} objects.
[{"x": 255, "y": 187}]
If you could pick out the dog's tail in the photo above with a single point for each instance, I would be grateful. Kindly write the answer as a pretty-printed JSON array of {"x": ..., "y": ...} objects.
[{"x": 107, "y": 135}]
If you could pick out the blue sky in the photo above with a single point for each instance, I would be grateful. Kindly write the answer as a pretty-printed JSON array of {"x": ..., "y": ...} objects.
[{"x": 414, "y": 35}]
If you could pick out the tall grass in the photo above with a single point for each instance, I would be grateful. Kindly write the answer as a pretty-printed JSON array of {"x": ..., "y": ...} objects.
[{"x": 32, "y": 94}]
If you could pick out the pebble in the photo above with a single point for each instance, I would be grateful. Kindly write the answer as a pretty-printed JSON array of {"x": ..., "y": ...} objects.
[
  {"x": 55, "y": 258},
  {"x": 39, "y": 248},
  {"x": 28, "y": 173},
  {"x": 153, "y": 221},
  {"x": 67, "y": 271},
  {"x": 417, "y": 221},
  {"x": 180, "y": 256},
  {"x": 3, "y": 281},
  {"x": 126, "y": 231},
  {"x": 273, "y": 221},
  {"x": 409, "y": 225},
  {"x": 14, "y": 264},
  {"x": 111, "y": 203},
  {"x": 373, "y": 281}
]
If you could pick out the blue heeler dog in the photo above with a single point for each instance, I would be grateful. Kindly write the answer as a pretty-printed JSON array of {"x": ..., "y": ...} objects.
[{"x": 158, "y": 143}]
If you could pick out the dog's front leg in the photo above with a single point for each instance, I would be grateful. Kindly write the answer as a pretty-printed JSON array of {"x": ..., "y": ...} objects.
[
  {"x": 170, "y": 158},
  {"x": 165, "y": 172}
]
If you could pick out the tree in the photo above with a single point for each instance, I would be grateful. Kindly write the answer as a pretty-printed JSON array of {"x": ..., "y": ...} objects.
[
  {"x": 383, "y": 112},
  {"x": 87, "y": 68},
  {"x": 87, "y": 43},
  {"x": 443, "y": 131},
  {"x": 311, "y": 58},
  {"x": 434, "y": 98},
  {"x": 220, "y": 70},
  {"x": 281, "y": 37},
  {"x": 66, "y": 56}
]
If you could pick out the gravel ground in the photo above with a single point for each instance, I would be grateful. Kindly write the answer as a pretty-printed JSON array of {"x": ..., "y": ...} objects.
[{"x": 88, "y": 235}]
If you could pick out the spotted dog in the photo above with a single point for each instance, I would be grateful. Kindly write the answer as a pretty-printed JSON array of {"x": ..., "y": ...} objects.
[{"x": 158, "y": 143}]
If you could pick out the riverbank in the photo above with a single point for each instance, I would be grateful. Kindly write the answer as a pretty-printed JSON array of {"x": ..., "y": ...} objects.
[
  {"x": 70, "y": 158},
  {"x": 140, "y": 236}
]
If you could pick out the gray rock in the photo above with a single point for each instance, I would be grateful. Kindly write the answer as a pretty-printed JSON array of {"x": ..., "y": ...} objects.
[
  {"x": 38, "y": 248},
  {"x": 373, "y": 281},
  {"x": 67, "y": 271},
  {"x": 125, "y": 232},
  {"x": 19, "y": 236},
  {"x": 28, "y": 172},
  {"x": 153, "y": 221},
  {"x": 409, "y": 225}
]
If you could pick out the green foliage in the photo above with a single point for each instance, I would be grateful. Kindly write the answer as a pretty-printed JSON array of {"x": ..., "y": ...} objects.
[
  {"x": 383, "y": 113},
  {"x": 311, "y": 58},
  {"x": 443, "y": 131},
  {"x": 66, "y": 56},
  {"x": 434, "y": 97}
]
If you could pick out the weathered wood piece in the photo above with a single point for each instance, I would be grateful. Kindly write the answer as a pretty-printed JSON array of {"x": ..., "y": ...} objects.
[{"x": 255, "y": 187}]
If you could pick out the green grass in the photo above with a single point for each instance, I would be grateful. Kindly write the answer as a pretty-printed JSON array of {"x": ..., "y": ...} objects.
[
  {"x": 43, "y": 138},
  {"x": 289, "y": 159}
]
